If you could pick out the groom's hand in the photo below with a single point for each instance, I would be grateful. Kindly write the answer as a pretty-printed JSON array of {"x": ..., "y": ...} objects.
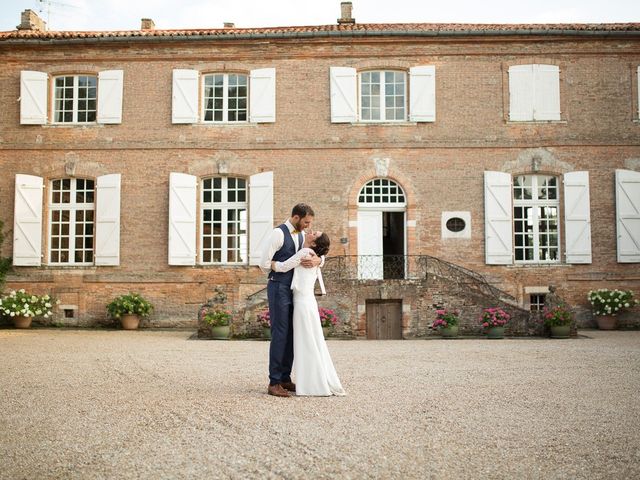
[{"x": 310, "y": 262}]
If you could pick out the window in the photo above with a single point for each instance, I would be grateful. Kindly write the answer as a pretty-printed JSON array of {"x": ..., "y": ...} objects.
[
  {"x": 381, "y": 191},
  {"x": 75, "y": 99},
  {"x": 224, "y": 220},
  {"x": 534, "y": 93},
  {"x": 535, "y": 215},
  {"x": 383, "y": 96},
  {"x": 225, "y": 97},
  {"x": 71, "y": 211},
  {"x": 455, "y": 224},
  {"x": 536, "y": 302}
]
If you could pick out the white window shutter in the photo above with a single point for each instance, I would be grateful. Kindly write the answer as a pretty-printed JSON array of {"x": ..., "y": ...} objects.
[
  {"x": 498, "y": 218},
  {"x": 628, "y": 215},
  {"x": 577, "y": 217},
  {"x": 344, "y": 97},
  {"x": 108, "y": 220},
  {"x": 262, "y": 95},
  {"x": 182, "y": 219},
  {"x": 422, "y": 92},
  {"x": 27, "y": 221},
  {"x": 547, "y": 92},
  {"x": 110, "y": 85},
  {"x": 260, "y": 213},
  {"x": 521, "y": 93},
  {"x": 33, "y": 97},
  {"x": 638, "y": 82},
  {"x": 185, "y": 96}
]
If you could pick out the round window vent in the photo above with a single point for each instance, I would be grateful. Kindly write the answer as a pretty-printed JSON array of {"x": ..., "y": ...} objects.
[{"x": 456, "y": 224}]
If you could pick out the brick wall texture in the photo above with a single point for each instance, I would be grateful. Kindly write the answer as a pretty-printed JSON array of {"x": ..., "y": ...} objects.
[{"x": 439, "y": 165}]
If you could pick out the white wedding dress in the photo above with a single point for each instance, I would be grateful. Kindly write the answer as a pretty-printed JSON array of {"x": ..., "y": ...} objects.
[{"x": 314, "y": 370}]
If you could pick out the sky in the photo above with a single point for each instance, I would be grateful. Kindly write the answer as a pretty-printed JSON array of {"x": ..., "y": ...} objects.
[{"x": 170, "y": 14}]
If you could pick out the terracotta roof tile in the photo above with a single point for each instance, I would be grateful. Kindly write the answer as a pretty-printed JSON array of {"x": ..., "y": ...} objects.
[{"x": 330, "y": 30}]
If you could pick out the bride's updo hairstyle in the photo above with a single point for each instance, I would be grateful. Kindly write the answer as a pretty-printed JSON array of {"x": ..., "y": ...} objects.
[{"x": 321, "y": 245}]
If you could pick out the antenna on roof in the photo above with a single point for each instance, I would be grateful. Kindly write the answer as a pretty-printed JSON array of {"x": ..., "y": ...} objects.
[{"x": 45, "y": 5}]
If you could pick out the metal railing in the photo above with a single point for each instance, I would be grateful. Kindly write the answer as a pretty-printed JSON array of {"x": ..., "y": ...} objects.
[{"x": 409, "y": 267}]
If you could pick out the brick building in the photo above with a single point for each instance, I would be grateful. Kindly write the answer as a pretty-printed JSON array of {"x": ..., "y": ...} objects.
[{"x": 444, "y": 161}]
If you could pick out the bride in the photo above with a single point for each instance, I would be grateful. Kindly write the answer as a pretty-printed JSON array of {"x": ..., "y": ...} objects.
[{"x": 315, "y": 373}]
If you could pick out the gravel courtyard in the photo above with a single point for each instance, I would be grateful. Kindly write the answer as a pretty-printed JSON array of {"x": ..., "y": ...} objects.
[{"x": 85, "y": 404}]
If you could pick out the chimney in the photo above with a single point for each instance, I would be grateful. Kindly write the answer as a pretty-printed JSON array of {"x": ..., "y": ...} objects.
[
  {"x": 147, "y": 24},
  {"x": 345, "y": 12},
  {"x": 229, "y": 25},
  {"x": 29, "y": 20}
]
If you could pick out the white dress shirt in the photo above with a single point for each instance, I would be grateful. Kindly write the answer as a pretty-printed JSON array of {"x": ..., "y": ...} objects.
[{"x": 275, "y": 244}]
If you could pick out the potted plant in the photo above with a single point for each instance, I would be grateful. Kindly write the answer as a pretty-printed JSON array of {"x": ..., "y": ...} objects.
[
  {"x": 22, "y": 306},
  {"x": 558, "y": 319},
  {"x": 446, "y": 323},
  {"x": 129, "y": 308},
  {"x": 265, "y": 322},
  {"x": 607, "y": 304},
  {"x": 493, "y": 320},
  {"x": 328, "y": 320},
  {"x": 219, "y": 320}
]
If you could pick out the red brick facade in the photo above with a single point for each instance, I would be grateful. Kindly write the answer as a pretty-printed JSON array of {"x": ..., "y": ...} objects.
[{"x": 438, "y": 164}]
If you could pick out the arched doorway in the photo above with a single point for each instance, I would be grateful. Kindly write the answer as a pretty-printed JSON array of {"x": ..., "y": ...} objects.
[{"x": 381, "y": 230}]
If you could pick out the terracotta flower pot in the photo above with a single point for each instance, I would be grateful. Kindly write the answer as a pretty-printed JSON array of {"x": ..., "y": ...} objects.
[
  {"x": 130, "y": 322},
  {"x": 606, "y": 322},
  {"x": 21, "y": 321}
]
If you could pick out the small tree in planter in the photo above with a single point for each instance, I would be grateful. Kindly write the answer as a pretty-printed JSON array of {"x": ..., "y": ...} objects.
[{"x": 129, "y": 308}]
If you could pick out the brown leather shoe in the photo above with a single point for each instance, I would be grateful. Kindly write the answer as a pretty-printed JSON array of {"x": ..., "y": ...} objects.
[
  {"x": 290, "y": 386},
  {"x": 277, "y": 391}
]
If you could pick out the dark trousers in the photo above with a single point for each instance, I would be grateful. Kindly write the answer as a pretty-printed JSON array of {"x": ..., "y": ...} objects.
[{"x": 281, "y": 313}]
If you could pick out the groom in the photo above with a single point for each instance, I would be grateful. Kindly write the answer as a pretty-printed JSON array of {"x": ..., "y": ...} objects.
[{"x": 284, "y": 242}]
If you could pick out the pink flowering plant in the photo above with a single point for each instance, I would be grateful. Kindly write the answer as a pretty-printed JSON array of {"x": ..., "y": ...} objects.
[
  {"x": 264, "y": 319},
  {"x": 328, "y": 317},
  {"x": 494, "y": 317},
  {"x": 557, "y": 316},
  {"x": 445, "y": 318}
]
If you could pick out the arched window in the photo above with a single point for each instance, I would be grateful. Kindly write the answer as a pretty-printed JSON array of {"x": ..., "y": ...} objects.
[
  {"x": 381, "y": 192},
  {"x": 224, "y": 220},
  {"x": 71, "y": 220}
]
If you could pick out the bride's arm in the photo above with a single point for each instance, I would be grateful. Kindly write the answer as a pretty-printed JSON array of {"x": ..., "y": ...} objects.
[{"x": 291, "y": 262}]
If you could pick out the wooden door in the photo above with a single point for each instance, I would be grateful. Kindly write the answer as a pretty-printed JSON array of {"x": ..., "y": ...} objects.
[{"x": 384, "y": 319}]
